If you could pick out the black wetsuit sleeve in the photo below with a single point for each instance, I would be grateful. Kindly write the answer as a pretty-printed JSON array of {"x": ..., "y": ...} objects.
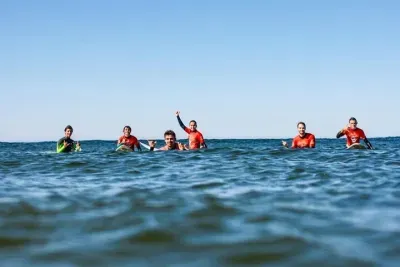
[
  {"x": 180, "y": 122},
  {"x": 139, "y": 148},
  {"x": 339, "y": 134},
  {"x": 369, "y": 145}
]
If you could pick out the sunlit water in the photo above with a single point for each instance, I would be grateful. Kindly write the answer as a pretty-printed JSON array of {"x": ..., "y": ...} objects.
[{"x": 238, "y": 203}]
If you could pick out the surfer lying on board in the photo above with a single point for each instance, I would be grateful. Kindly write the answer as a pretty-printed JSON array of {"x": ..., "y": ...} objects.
[
  {"x": 129, "y": 140},
  {"x": 66, "y": 144},
  {"x": 170, "y": 142},
  {"x": 303, "y": 140},
  {"x": 353, "y": 134},
  {"x": 196, "y": 139}
]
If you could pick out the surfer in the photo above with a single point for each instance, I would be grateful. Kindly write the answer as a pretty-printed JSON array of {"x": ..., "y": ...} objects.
[
  {"x": 303, "y": 140},
  {"x": 129, "y": 140},
  {"x": 66, "y": 144},
  {"x": 170, "y": 142},
  {"x": 196, "y": 139},
  {"x": 353, "y": 134}
]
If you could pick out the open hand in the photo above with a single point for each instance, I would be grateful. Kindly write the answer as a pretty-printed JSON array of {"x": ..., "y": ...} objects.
[
  {"x": 181, "y": 146},
  {"x": 152, "y": 143}
]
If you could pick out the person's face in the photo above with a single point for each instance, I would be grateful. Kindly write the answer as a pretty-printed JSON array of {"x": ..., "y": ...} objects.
[
  {"x": 127, "y": 132},
  {"x": 302, "y": 129},
  {"x": 192, "y": 126},
  {"x": 68, "y": 133},
  {"x": 353, "y": 124},
  {"x": 169, "y": 140}
]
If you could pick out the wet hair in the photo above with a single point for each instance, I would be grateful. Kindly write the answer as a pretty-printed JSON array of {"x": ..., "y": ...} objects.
[
  {"x": 169, "y": 132},
  {"x": 128, "y": 127},
  {"x": 68, "y": 127},
  {"x": 195, "y": 123},
  {"x": 353, "y": 119},
  {"x": 300, "y": 122}
]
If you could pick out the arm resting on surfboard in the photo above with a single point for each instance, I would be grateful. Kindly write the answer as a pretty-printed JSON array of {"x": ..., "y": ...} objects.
[{"x": 369, "y": 145}]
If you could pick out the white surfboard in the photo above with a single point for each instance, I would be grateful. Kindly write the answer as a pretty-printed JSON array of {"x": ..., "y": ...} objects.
[
  {"x": 148, "y": 147},
  {"x": 356, "y": 146}
]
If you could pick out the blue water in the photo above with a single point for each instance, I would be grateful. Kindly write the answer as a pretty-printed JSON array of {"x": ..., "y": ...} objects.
[{"x": 238, "y": 203}]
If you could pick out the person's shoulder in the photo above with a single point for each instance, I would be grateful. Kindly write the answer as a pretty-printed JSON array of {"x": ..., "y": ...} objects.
[
  {"x": 198, "y": 133},
  {"x": 361, "y": 131},
  {"x": 310, "y": 135},
  {"x": 61, "y": 139}
]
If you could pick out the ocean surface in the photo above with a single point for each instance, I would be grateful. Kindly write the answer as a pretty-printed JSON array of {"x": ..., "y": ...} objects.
[{"x": 238, "y": 203}]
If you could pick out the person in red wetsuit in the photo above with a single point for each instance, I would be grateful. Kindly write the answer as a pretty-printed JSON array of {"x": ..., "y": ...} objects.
[
  {"x": 353, "y": 134},
  {"x": 303, "y": 140},
  {"x": 129, "y": 140},
  {"x": 170, "y": 142},
  {"x": 196, "y": 139}
]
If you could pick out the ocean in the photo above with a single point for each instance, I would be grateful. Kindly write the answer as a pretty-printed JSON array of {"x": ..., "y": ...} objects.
[{"x": 238, "y": 203}]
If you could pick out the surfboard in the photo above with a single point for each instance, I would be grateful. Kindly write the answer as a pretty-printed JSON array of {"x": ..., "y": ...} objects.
[
  {"x": 124, "y": 148},
  {"x": 146, "y": 146},
  {"x": 357, "y": 146}
]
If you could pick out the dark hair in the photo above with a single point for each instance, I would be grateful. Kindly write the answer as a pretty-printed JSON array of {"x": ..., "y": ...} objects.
[
  {"x": 300, "y": 122},
  {"x": 169, "y": 132},
  {"x": 68, "y": 127},
  {"x": 127, "y": 126},
  {"x": 353, "y": 119},
  {"x": 195, "y": 123}
]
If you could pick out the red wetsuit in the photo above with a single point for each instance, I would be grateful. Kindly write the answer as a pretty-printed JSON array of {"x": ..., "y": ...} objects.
[
  {"x": 354, "y": 136},
  {"x": 302, "y": 142},
  {"x": 130, "y": 141},
  {"x": 196, "y": 139}
]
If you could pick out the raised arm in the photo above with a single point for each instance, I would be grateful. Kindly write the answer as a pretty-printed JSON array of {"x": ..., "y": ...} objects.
[
  {"x": 152, "y": 144},
  {"x": 341, "y": 132},
  {"x": 180, "y": 121},
  {"x": 61, "y": 146}
]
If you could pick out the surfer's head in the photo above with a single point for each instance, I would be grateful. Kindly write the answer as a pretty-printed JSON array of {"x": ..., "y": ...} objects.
[
  {"x": 193, "y": 125},
  {"x": 353, "y": 123},
  {"x": 301, "y": 128},
  {"x": 127, "y": 131},
  {"x": 68, "y": 131},
  {"x": 170, "y": 138}
]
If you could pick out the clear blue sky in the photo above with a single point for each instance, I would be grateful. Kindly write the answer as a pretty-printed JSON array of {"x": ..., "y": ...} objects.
[{"x": 242, "y": 69}]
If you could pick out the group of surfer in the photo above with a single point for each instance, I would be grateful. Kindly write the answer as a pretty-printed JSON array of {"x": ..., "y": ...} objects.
[
  {"x": 351, "y": 131},
  {"x": 196, "y": 140}
]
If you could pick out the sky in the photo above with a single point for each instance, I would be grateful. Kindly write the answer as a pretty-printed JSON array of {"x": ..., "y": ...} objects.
[{"x": 242, "y": 69}]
